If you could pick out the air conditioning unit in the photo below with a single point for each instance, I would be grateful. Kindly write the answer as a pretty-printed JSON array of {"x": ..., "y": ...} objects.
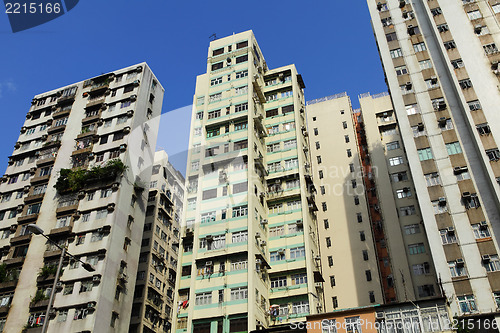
[
  {"x": 420, "y": 126},
  {"x": 465, "y": 194},
  {"x": 209, "y": 238},
  {"x": 483, "y": 225},
  {"x": 379, "y": 315},
  {"x": 189, "y": 230},
  {"x": 318, "y": 285},
  {"x": 307, "y": 165},
  {"x": 90, "y": 305},
  {"x": 59, "y": 285},
  {"x": 408, "y": 85},
  {"x": 209, "y": 263},
  {"x": 263, "y": 243},
  {"x": 317, "y": 257},
  {"x": 459, "y": 262},
  {"x": 434, "y": 79},
  {"x": 450, "y": 230},
  {"x": 281, "y": 251},
  {"x": 299, "y": 223},
  {"x": 96, "y": 278},
  {"x": 442, "y": 121},
  {"x": 264, "y": 221},
  {"x": 442, "y": 201},
  {"x": 257, "y": 234},
  {"x": 485, "y": 257},
  {"x": 258, "y": 261}
]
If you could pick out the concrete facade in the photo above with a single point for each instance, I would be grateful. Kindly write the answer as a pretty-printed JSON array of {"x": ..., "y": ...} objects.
[
  {"x": 76, "y": 171},
  {"x": 154, "y": 289},
  {"x": 441, "y": 63},
  {"x": 249, "y": 256}
]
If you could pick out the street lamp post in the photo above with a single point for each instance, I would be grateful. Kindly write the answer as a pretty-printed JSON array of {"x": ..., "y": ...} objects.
[{"x": 88, "y": 267}]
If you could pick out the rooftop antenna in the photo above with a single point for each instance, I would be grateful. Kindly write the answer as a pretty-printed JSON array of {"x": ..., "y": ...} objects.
[{"x": 212, "y": 37}]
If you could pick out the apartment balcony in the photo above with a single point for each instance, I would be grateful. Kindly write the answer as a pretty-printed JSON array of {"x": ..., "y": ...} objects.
[
  {"x": 95, "y": 101},
  {"x": 61, "y": 112},
  {"x": 4, "y": 310},
  {"x": 86, "y": 134},
  {"x": 66, "y": 99},
  {"x": 279, "y": 193},
  {"x": 8, "y": 285},
  {"x": 84, "y": 150},
  {"x": 20, "y": 239},
  {"x": 27, "y": 218},
  {"x": 61, "y": 231},
  {"x": 52, "y": 254},
  {"x": 33, "y": 198},
  {"x": 14, "y": 261},
  {"x": 46, "y": 159},
  {"x": 37, "y": 329},
  {"x": 99, "y": 87},
  {"x": 68, "y": 208}
]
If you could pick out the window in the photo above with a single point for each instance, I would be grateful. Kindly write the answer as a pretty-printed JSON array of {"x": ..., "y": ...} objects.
[
  {"x": 453, "y": 148},
  {"x": 416, "y": 248},
  {"x": 393, "y": 161},
  {"x": 368, "y": 275},
  {"x": 300, "y": 307},
  {"x": 449, "y": 45},
  {"x": 425, "y": 154},
  {"x": 353, "y": 324},
  {"x": 432, "y": 179},
  {"x": 241, "y": 90},
  {"x": 328, "y": 241},
  {"x": 391, "y": 36},
  {"x": 457, "y": 63},
  {"x": 289, "y": 144},
  {"x": 425, "y": 64},
  {"x": 401, "y": 70},
  {"x": 412, "y": 229},
  {"x": 467, "y": 303},
  {"x": 68, "y": 288},
  {"x": 492, "y": 263},
  {"x": 241, "y": 59},
  {"x": 240, "y": 236},
  {"x": 474, "y": 15},
  {"x": 439, "y": 206},
  {"x": 203, "y": 298},
  {"x": 277, "y": 255},
  {"x": 365, "y": 255},
  {"x": 474, "y": 105},
  {"x": 456, "y": 269},
  {"x": 349, "y": 153},
  {"x": 62, "y": 316},
  {"x": 412, "y": 109},
  {"x": 481, "y": 230},
  {"x": 288, "y": 126},
  {"x": 421, "y": 269},
  {"x": 393, "y": 145},
  {"x": 100, "y": 214},
  {"x": 240, "y": 211},
  {"x": 330, "y": 261},
  {"x": 493, "y": 154},
  {"x": 431, "y": 83},
  {"x": 483, "y": 129},
  {"x": 447, "y": 236},
  {"x": 216, "y": 81},
  {"x": 419, "y": 47},
  {"x": 426, "y": 290},
  {"x": 277, "y": 282},
  {"x": 319, "y": 159},
  {"x": 396, "y": 53}
]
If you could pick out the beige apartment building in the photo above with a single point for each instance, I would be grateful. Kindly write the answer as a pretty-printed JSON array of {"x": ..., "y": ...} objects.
[
  {"x": 441, "y": 63},
  {"x": 78, "y": 172},
  {"x": 348, "y": 253},
  {"x": 153, "y": 307},
  {"x": 249, "y": 257},
  {"x": 369, "y": 221}
]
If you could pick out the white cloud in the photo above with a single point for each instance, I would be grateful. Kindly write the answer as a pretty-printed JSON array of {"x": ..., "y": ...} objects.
[{"x": 7, "y": 86}]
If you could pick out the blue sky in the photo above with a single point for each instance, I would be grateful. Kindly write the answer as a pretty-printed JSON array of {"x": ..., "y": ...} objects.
[{"x": 330, "y": 42}]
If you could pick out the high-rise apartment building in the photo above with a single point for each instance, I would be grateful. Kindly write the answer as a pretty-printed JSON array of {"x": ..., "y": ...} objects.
[
  {"x": 77, "y": 172},
  {"x": 249, "y": 256},
  {"x": 348, "y": 253},
  {"x": 372, "y": 243},
  {"x": 153, "y": 307},
  {"x": 441, "y": 63}
]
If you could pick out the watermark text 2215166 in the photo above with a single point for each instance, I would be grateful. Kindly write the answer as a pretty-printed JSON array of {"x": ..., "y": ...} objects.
[{"x": 32, "y": 8}]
